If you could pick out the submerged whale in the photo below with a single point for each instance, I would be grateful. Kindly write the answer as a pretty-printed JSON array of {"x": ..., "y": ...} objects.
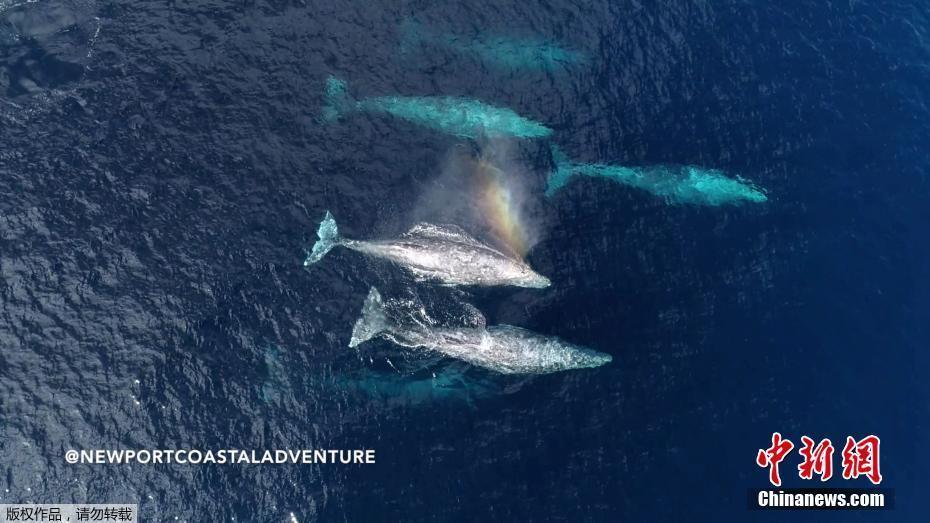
[
  {"x": 449, "y": 383},
  {"x": 501, "y": 348},
  {"x": 450, "y": 114},
  {"x": 503, "y": 52},
  {"x": 677, "y": 184},
  {"x": 439, "y": 253}
]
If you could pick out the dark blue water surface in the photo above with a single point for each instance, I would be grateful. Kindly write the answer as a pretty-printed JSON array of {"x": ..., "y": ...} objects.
[{"x": 163, "y": 166}]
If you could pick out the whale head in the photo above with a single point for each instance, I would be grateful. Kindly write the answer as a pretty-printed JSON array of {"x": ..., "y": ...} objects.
[
  {"x": 524, "y": 276},
  {"x": 589, "y": 359}
]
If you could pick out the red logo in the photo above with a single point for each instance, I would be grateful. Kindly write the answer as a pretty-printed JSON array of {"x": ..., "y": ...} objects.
[
  {"x": 817, "y": 459},
  {"x": 860, "y": 458},
  {"x": 774, "y": 455}
]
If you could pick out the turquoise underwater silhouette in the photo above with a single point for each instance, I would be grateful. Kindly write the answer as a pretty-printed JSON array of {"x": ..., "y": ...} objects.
[
  {"x": 458, "y": 116},
  {"x": 676, "y": 184},
  {"x": 501, "y": 52}
]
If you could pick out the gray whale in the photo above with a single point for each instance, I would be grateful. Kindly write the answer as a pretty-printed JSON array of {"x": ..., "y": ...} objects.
[
  {"x": 443, "y": 254},
  {"x": 501, "y": 348}
]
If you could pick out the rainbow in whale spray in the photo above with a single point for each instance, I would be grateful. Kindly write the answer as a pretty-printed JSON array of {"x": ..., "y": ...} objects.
[
  {"x": 500, "y": 206},
  {"x": 483, "y": 190}
]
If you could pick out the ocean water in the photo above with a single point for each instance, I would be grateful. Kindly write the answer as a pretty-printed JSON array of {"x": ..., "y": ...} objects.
[{"x": 163, "y": 167}]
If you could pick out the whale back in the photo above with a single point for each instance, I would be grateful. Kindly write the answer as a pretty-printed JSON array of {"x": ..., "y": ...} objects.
[{"x": 443, "y": 232}]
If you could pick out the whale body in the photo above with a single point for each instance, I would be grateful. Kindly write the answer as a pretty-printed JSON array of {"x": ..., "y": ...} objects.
[
  {"x": 502, "y": 52},
  {"x": 676, "y": 184},
  {"x": 448, "y": 384},
  {"x": 453, "y": 115},
  {"x": 443, "y": 254},
  {"x": 501, "y": 348}
]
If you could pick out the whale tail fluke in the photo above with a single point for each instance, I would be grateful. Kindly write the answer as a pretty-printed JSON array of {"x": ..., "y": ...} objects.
[
  {"x": 328, "y": 235},
  {"x": 372, "y": 321},
  {"x": 336, "y": 99},
  {"x": 561, "y": 172}
]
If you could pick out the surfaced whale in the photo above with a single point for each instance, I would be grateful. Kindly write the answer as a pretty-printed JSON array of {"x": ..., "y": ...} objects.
[
  {"x": 443, "y": 254},
  {"x": 501, "y": 348},
  {"x": 454, "y": 115}
]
